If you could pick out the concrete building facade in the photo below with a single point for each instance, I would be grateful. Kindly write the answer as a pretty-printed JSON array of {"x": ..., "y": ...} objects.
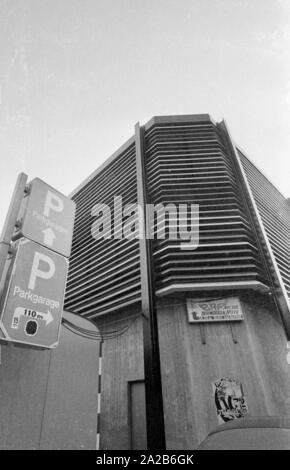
[
  {"x": 221, "y": 307},
  {"x": 211, "y": 371}
]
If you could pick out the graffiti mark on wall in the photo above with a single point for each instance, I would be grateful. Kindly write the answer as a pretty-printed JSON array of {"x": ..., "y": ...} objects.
[{"x": 229, "y": 399}]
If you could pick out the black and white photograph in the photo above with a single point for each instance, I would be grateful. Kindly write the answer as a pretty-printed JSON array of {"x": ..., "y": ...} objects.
[{"x": 144, "y": 229}]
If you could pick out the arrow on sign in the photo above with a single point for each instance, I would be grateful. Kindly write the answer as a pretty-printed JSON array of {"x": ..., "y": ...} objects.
[
  {"x": 198, "y": 311},
  {"x": 49, "y": 236},
  {"x": 47, "y": 317}
]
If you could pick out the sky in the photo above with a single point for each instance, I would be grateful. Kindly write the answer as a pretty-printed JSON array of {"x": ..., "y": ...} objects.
[{"x": 76, "y": 75}]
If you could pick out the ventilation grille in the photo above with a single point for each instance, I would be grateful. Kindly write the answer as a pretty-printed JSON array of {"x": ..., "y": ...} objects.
[
  {"x": 104, "y": 275},
  {"x": 187, "y": 163},
  {"x": 275, "y": 213}
]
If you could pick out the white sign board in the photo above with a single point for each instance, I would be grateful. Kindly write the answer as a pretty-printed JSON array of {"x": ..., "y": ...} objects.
[
  {"x": 49, "y": 218},
  {"x": 228, "y": 309},
  {"x": 33, "y": 304}
]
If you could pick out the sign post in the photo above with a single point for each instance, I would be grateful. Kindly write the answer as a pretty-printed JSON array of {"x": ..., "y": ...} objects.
[
  {"x": 33, "y": 295},
  {"x": 11, "y": 219}
]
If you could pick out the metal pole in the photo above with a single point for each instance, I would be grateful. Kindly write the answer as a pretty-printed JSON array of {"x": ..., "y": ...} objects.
[
  {"x": 99, "y": 395},
  {"x": 152, "y": 370},
  {"x": 11, "y": 219}
]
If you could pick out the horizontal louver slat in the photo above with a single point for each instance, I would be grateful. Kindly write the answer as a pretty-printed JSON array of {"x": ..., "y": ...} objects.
[
  {"x": 275, "y": 214},
  {"x": 186, "y": 163}
]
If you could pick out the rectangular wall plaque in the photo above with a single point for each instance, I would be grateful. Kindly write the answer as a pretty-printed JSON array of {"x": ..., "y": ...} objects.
[{"x": 213, "y": 310}]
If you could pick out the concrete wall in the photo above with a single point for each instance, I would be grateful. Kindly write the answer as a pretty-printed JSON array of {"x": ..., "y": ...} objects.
[
  {"x": 252, "y": 351},
  {"x": 48, "y": 399},
  {"x": 122, "y": 363}
]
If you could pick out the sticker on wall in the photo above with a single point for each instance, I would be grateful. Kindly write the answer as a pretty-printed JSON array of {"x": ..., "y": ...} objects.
[
  {"x": 213, "y": 310},
  {"x": 229, "y": 399}
]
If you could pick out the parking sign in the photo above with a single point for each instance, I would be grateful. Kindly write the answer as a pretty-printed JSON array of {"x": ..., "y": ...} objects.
[
  {"x": 48, "y": 218},
  {"x": 34, "y": 297}
]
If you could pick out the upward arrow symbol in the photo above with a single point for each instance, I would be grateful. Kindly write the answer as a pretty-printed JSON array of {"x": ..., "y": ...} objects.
[
  {"x": 198, "y": 311},
  {"x": 49, "y": 236},
  {"x": 48, "y": 317}
]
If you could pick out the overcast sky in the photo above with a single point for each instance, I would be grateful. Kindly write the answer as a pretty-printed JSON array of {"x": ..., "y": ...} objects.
[{"x": 76, "y": 75}]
